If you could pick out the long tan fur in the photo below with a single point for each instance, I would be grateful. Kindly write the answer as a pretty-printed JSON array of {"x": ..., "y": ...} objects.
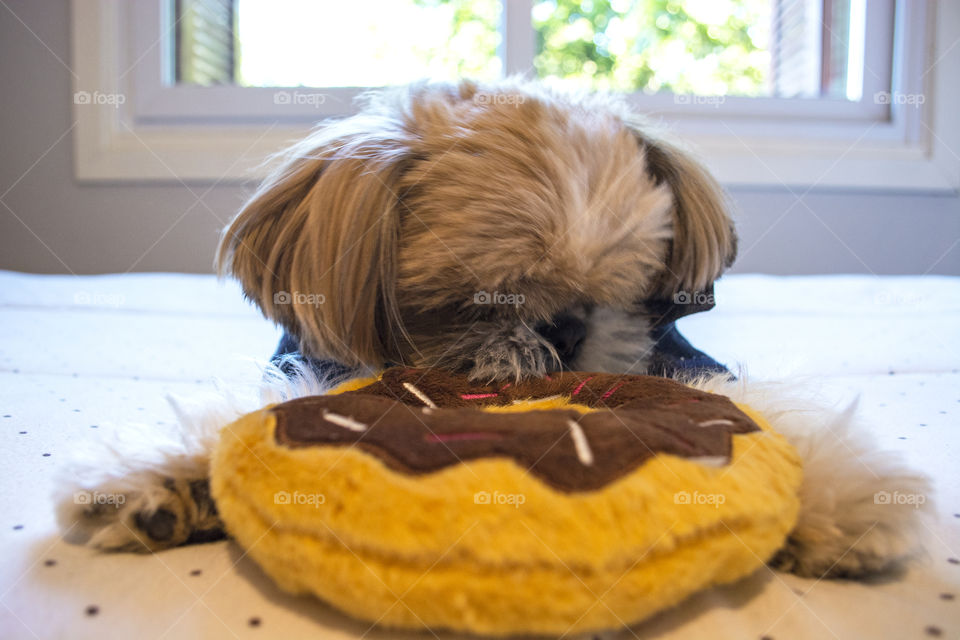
[
  {"x": 322, "y": 230},
  {"x": 704, "y": 242},
  {"x": 383, "y": 229}
]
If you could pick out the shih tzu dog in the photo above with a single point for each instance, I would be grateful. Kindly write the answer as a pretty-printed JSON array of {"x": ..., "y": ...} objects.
[{"x": 503, "y": 231}]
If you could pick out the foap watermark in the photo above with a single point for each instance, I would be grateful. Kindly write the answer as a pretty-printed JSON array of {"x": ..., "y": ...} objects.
[
  {"x": 687, "y": 98},
  {"x": 713, "y": 499},
  {"x": 97, "y": 498},
  {"x": 298, "y": 498},
  {"x": 87, "y": 298},
  {"x": 310, "y": 98},
  {"x": 99, "y": 98},
  {"x": 497, "y": 498},
  {"x": 499, "y": 98},
  {"x": 885, "y": 497},
  {"x": 297, "y": 297},
  {"x": 887, "y": 97},
  {"x": 693, "y": 297},
  {"x": 897, "y": 299},
  {"x": 485, "y": 297}
]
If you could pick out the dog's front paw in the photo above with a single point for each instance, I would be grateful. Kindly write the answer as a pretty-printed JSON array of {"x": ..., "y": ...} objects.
[
  {"x": 838, "y": 554},
  {"x": 513, "y": 353},
  {"x": 856, "y": 521},
  {"x": 158, "y": 514}
]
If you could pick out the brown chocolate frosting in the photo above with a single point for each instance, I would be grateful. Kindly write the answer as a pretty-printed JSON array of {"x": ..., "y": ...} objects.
[{"x": 639, "y": 417}]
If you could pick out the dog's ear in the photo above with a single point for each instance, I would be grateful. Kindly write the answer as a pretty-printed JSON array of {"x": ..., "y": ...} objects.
[
  {"x": 704, "y": 240},
  {"x": 315, "y": 247}
]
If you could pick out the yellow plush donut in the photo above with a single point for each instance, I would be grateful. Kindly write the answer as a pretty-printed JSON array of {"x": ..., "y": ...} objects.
[{"x": 569, "y": 503}]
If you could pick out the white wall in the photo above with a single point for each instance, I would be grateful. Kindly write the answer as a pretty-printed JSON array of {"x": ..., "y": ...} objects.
[{"x": 54, "y": 225}]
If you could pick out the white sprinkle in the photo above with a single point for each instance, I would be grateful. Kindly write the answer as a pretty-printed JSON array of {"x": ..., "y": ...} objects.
[
  {"x": 710, "y": 461},
  {"x": 343, "y": 421},
  {"x": 420, "y": 394},
  {"x": 715, "y": 423},
  {"x": 426, "y": 410},
  {"x": 581, "y": 444}
]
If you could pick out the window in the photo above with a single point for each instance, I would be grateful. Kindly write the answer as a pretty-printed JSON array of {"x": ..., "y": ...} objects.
[
  {"x": 783, "y": 48},
  {"x": 375, "y": 42},
  {"x": 797, "y": 92}
]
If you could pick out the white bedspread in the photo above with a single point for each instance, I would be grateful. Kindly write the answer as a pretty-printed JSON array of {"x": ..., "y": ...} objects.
[{"x": 85, "y": 353}]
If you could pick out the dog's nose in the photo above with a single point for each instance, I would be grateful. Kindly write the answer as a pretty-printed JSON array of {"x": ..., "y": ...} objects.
[{"x": 565, "y": 333}]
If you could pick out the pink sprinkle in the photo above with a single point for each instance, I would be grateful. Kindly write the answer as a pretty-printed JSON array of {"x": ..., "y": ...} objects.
[
  {"x": 505, "y": 386},
  {"x": 547, "y": 377},
  {"x": 477, "y": 396},
  {"x": 580, "y": 386},
  {"x": 612, "y": 390},
  {"x": 468, "y": 435}
]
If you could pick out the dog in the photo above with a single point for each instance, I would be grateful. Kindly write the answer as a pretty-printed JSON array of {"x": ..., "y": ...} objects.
[{"x": 503, "y": 231}]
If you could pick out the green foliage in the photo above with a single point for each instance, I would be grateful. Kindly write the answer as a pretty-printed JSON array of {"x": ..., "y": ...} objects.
[
  {"x": 707, "y": 47},
  {"x": 474, "y": 37}
]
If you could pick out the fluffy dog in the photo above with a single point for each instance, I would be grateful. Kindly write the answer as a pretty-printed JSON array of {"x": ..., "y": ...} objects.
[{"x": 504, "y": 231}]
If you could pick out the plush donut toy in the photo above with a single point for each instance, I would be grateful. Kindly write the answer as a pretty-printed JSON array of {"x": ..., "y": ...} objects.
[{"x": 569, "y": 503}]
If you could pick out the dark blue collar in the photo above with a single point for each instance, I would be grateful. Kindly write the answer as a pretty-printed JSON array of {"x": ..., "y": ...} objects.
[{"x": 673, "y": 357}]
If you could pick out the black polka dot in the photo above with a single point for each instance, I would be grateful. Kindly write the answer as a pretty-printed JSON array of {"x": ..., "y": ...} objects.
[
  {"x": 49, "y": 563},
  {"x": 923, "y": 424},
  {"x": 23, "y": 433},
  {"x": 92, "y": 610},
  {"x": 7, "y": 415},
  {"x": 902, "y": 438},
  {"x": 934, "y": 631},
  {"x": 953, "y": 561},
  {"x": 254, "y": 622},
  {"x": 196, "y": 572},
  {"x": 46, "y": 455},
  {"x": 946, "y": 596},
  {"x": 17, "y": 527}
]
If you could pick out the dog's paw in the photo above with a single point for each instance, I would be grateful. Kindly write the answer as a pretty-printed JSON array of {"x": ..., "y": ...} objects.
[
  {"x": 856, "y": 521},
  {"x": 515, "y": 353},
  {"x": 160, "y": 513},
  {"x": 839, "y": 554}
]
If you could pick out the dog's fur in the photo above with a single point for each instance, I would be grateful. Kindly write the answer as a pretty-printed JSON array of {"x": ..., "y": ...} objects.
[
  {"x": 400, "y": 217},
  {"x": 373, "y": 238}
]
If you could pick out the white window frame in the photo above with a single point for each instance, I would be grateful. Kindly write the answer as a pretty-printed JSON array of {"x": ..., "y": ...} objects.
[{"x": 135, "y": 126}]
